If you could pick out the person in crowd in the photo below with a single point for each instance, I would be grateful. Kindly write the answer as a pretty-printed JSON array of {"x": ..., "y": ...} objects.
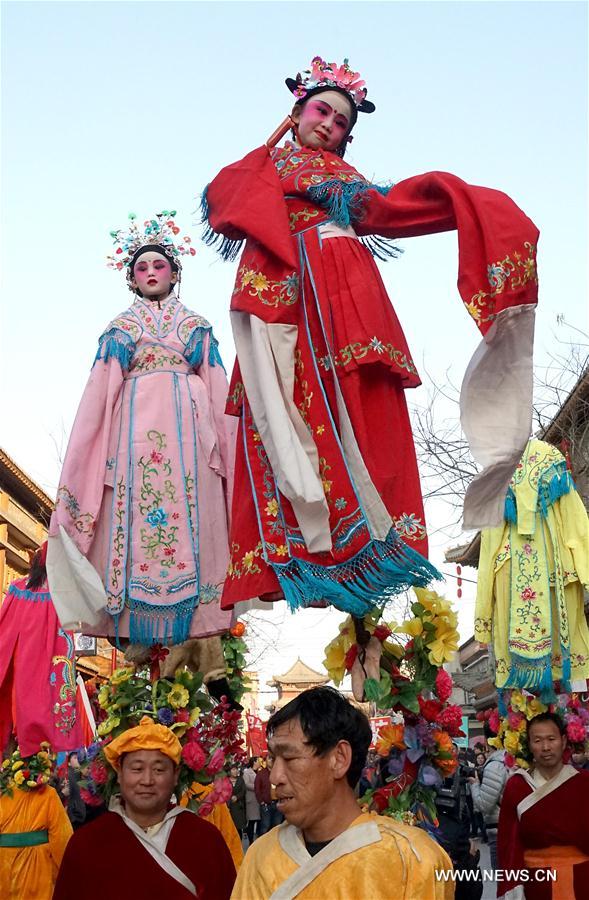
[
  {"x": 236, "y": 802},
  {"x": 252, "y": 807},
  {"x": 185, "y": 855},
  {"x": 34, "y": 831},
  {"x": 270, "y": 815},
  {"x": 544, "y": 821},
  {"x": 76, "y": 808},
  {"x": 453, "y": 834},
  {"x": 327, "y": 847},
  {"x": 479, "y": 747},
  {"x": 478, "y": 818},
  {"x": 487, "y": 792},
  {"x": 467, "y": 772}
]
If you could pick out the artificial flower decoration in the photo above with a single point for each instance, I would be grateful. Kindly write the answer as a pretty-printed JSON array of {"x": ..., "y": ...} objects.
[
  {"x": 26, "y": 773},
  {"x": 416, "y": 749},
  {"x": 521, "y": 706},
  {"x": 324, "y": 74},
  {"x": 209, "y": 734}
]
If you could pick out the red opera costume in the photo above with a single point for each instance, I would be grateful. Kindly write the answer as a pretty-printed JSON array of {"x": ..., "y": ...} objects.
[
  {"x": 545, "y": 827},
  {"x": 37, "y": 672},
  {"x": 329, "y": 506}
]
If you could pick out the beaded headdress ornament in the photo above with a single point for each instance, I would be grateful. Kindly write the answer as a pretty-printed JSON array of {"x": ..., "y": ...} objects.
[
  {"x": 324, "y": 74},
  {"x": 161, "y": 231}
]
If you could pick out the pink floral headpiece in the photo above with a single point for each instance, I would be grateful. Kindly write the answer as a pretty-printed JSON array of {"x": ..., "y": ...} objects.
[
  {"x": 161, "y": 230},
  {"x": 324, "y": 74}
]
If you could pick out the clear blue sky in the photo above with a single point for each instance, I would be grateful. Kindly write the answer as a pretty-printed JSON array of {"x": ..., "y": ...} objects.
[{"x": 111, "y": 107}]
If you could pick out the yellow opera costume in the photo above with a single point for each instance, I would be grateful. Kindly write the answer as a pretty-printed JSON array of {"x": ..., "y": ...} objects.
[
  {"x": 220, "y": 817},
  {"x": 34, "y": 831},
  {"x": 531, "y": 575},
  {"x": 374, "y": 859}
]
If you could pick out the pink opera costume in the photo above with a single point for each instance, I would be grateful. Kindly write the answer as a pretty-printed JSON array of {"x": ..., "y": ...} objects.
[
  {"x": 140, "y": 527},
  {"x": 37, "y": 668}
]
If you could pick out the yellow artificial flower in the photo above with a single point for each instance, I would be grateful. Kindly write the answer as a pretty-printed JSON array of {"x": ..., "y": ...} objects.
[
  {"x": 107, "y": 726},
  {"x": 413, "y": 627},
  {"x": 19, "y": 778},
  {"x": 194, "y": 716},
  {"x": 522, "y": 726},
  {"x": 121, "y": 675},
  {"x": 336, "y": 650},
  {"x": 32, "y": 784},
  {"x": 443, "y": 648},
  {"x": 45, "y": 745},
  {"x": 6, "y": 763},
  {"x": 103, "y": 696},
  {"x": 178, "y": 697},
  {"x": 43, "y": 755},
  {"x": 521, "y": 762},
  {"x": 495, "y": 742},
  {"x": 518, "y": 702},
  {"x": 17, "y": 765},
  {"x": 396, "y": 650},
  {"x": 535, "y": 707},
  {"x": 511, "y": 741}
]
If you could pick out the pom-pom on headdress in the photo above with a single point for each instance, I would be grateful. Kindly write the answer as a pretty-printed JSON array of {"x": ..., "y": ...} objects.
[
  {"x": 160, "y": 232},
  {"x": 323, "y": 74}
]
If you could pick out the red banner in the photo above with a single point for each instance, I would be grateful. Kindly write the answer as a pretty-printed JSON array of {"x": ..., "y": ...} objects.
[{"x": 256, "y": 736}]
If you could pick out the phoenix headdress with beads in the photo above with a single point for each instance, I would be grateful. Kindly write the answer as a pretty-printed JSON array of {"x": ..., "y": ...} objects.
[
  {"x": 161, "y": 231},
  {"x": 324, "y": 74}
]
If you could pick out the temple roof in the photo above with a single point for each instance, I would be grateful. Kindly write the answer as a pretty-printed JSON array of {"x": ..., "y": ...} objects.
[{"x": 300, "y": 673}]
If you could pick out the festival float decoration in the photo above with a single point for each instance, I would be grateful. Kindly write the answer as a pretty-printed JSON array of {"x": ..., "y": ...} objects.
[
  {"x": 407, "y": 680},
  {"x": 26, "y": 773},
  {"x": 208, "y": 731},
  {"x": 520, "y": 707}
]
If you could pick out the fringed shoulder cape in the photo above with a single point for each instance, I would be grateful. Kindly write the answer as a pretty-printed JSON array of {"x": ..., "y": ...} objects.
[{"x": 329, "y": 506}]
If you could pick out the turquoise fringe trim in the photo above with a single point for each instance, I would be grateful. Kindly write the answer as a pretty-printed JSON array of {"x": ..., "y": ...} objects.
[
  {"x": 118, "y": 344},
  {"x": 167, "y": 625},
  {"x": 554, "y": 484},
  {"x": 227, "y": 248},
  {"x": 193, "y": 351},
  {"x": 25, "y": 594},
  {"x": 379, "y": 571},
  {"x": 530, "y": 674}
]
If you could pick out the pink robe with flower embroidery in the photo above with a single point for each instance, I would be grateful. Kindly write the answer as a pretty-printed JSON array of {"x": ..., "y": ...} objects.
[{"x": 144, "y": 490}]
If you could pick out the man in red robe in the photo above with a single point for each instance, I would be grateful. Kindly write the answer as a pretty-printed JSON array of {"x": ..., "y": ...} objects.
[
  {"x": 543, "y": 835},
  {"x": 143, "y": 847}
]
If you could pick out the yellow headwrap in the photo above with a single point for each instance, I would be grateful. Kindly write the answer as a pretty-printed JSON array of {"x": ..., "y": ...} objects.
[{"x": 145, "y": 736}]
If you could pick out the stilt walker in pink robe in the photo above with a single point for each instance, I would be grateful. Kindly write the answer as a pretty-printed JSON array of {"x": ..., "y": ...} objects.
[
  {"x": 140, "y": 528},
  {"x": 37, "y": 668}
]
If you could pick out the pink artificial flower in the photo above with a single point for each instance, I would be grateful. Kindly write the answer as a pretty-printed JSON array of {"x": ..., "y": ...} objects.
[
  {"x": 494, "y": 721},
  {"x": 206, "y": 807},
  {"x": 509, "y": 760},
  {"x": 451, "y": 720},
  {"x": 514, "y": 720},
  {"x": 443, "y": 685},
  {"x": 193, "y": 755},
  {"x": 575, "y": 730},
  {"x": 222, "y": 790},
  {"x": 98, "y": 772},
  {"x": 216, "y": 762},
  {"x": 182, "y": 715}
]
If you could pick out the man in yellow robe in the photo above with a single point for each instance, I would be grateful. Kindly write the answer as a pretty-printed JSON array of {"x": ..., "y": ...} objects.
[
  {"x": 220, "y": 817},
  {"x": 327, "y": 848},
  {"x": 34, "y": 831}
]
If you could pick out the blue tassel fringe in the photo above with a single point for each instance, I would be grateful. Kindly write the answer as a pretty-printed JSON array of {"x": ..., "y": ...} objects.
[
  {"x": 227, "y": 248},
  {"x": 25, "y": 594},
  {"x": 160, "y": 624},
  {"x": 193, "y": 351},
  {"x": 118, "y": 344},
  {"x": 379, "y": 571}
]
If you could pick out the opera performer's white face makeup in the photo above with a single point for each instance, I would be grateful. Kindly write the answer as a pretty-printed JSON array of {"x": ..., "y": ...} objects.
[{"x": 153, "y": 275}]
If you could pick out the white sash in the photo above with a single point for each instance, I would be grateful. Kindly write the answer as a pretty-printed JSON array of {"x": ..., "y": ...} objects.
[
  {"x": 158, "y": 854},
  {"x": 311, "y": 866}
]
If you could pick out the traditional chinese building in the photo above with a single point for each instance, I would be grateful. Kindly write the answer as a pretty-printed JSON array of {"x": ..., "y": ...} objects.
[
  {"x": 300, "y": 677},
  {"x": 25, "y": 510}
]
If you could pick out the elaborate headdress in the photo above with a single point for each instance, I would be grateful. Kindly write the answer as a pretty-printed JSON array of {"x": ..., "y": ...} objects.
[
  {"x": 158, "y": 234},
  {"x": 330, "y": 75}
]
